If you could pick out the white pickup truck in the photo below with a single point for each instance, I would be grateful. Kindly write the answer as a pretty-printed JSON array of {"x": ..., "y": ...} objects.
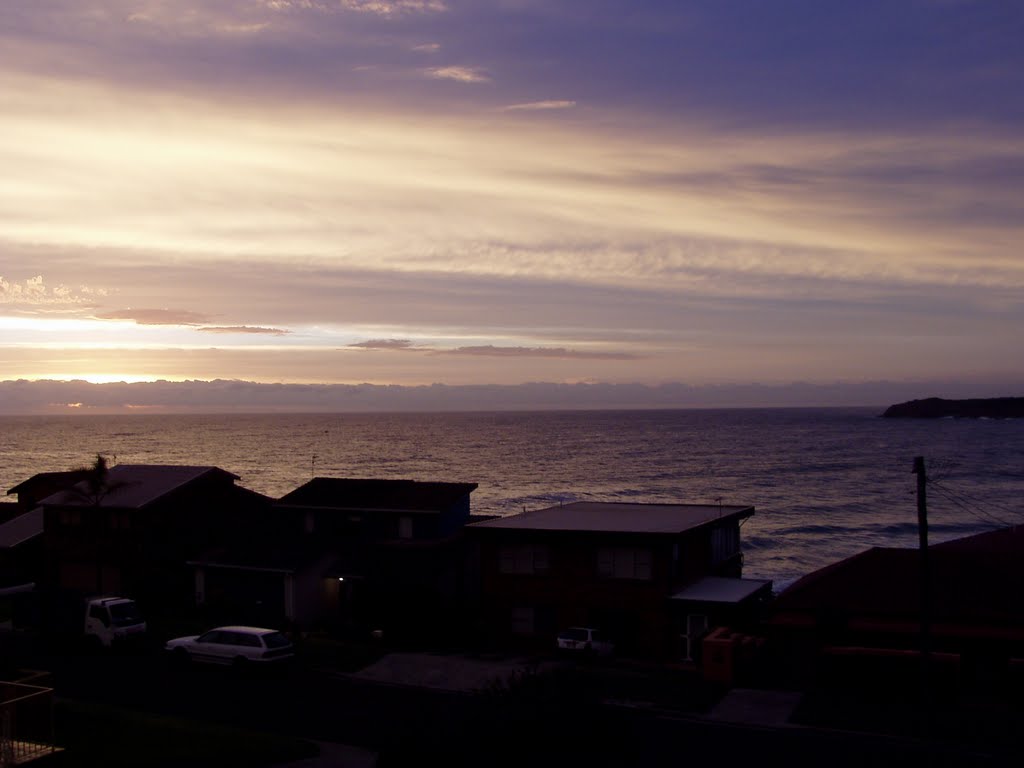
[{"x": 111, "y": 621}]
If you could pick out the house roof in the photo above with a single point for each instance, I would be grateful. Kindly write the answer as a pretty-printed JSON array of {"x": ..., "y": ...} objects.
[
  {"x": 979, "y": 578},
  {"x": 21, "y": 528},
  {"x": 614, "y": 517},
  {"x": 133, "y": 486},
  {"x": 51, "y": 479},
  {"x": 996, "y": 543},
  {"x": 719, "y": 589},
  {"x": 378, "y": 495}
]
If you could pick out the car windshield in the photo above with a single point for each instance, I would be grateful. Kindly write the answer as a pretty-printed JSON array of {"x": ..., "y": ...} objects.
[
  {"x": 276, "y": 640},
  {"x": 123, "y": 614},
  {"x": 575, "y": 633}
]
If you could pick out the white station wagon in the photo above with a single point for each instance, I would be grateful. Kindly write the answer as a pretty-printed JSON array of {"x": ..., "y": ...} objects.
[
  {"x": 233, "y": 645},
  {"x": 585, "y": 640}
]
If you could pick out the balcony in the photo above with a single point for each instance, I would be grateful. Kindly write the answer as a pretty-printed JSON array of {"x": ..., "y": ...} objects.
[{"x": 26, "y": 723}]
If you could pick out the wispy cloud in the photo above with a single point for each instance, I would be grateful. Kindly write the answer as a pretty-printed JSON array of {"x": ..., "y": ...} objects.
[
  {"x": 490, "y": 350},
  {"x": 243, "y": 329},
  {"x": 540, "y": 105},
  {"x": 385, "y": 8},
  {"x": 394, "y": 7},
  {"x": 392, "y": 344},
  {"x": 459, "y": 74},
  {"x": 295, "y": 150},
  {"x": 156, "y": 316}
]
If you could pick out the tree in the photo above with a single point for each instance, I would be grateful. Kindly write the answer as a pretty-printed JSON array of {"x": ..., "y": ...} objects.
[{"x": 91, "y": 492}]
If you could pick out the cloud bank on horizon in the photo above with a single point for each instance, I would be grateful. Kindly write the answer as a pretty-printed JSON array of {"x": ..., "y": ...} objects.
[{"x": 406, "y": 192}]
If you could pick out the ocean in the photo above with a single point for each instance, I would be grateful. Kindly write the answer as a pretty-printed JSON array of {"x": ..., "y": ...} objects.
[{"x": 826, "y": 482}]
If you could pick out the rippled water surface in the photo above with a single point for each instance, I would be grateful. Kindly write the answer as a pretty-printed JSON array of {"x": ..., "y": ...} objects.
[{"x": 826, "y": 483}]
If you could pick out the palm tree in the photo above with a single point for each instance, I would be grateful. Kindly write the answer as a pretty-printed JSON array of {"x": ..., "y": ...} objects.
[
  {"x": 91, "y": 492},
  {"x": 97, "y": 483}
]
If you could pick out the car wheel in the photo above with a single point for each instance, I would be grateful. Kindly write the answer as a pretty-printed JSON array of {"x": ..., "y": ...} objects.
[
  {"x": 239, "y": 663},
  {"x": 180, "y": 657}
]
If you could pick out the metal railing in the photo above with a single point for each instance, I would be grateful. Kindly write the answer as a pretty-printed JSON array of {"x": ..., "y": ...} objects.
[{"x": 26, "y": 723}]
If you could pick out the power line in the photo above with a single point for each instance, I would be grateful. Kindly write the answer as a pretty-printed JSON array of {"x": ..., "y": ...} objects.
[
  {"x": 970, "y": 508},
  {"x": 976, "y": 500}
]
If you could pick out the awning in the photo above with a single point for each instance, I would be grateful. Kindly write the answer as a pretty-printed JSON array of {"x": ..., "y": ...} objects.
[{"x": 720, "y": 589}]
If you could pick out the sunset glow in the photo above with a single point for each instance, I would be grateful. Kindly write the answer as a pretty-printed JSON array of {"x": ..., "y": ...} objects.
[{"x": 346, "y": 193}]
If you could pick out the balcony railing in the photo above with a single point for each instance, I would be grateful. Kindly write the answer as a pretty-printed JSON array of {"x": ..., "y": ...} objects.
[{"x": 26, "y": 723}]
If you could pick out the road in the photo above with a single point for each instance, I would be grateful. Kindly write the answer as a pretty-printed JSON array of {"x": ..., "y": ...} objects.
[{"x": 405, "y": 723}]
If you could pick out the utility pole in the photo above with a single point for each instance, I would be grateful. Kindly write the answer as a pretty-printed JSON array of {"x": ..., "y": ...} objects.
[{"x": 925, "y": 577}]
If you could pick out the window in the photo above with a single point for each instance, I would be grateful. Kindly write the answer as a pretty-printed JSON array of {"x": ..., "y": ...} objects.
[
  {"x": 249, "y": 641},
  {"x": 405, "y": 527},
  {"x": 99, "y": 613},
  {"x": 624, "y": 563},
  {"x": 276, "y": 640},
  {"x": 725, "y": 544},
  {"x": 70, "y": 517},
  {"x": 525, "y": 559}
]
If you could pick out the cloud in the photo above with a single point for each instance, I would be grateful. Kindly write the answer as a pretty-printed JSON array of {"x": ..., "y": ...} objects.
[
  {"x": 385, "y": 8},
  {"x": 427, "y": 47},
  {"x": 489, "y": 350},
  {"x": 35, "y": 293},
  {"x": 394, "y": 7},
  {"x": 539, "y": 105},
  {"x": 393, "y": 344},
  {"x": 459, "y": 74},
  {"x": 156, "y": 316},
  {"x": 243, "y": 329}
]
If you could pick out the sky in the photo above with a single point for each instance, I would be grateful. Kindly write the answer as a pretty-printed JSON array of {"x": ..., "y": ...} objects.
[{"x": 667, "y": 196}]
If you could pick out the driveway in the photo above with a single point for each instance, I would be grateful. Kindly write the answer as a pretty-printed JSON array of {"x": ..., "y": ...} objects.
[{"x": 448, "y": 672}]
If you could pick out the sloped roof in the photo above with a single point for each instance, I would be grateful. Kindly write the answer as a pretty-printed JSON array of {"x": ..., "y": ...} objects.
[
  {"x": 378, "y": 495},
  {"x": 133, "y": 486},
  {"x": 613, "y": 517},
  {"x": 49, "y": 479},
  {"x": 969, "y": 582},
  {"x": 20, "y": 529},
  {"x": 996, "y": 543}
]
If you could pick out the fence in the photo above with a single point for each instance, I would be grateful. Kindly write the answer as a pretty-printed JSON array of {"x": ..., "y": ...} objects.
[{"x": 26, "y": 723}]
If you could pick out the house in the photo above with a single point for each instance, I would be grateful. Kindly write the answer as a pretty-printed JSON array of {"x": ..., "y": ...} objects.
[
  {"x": 654, "y": 577},
  {"x": 21, "y": 526},
  {"x": 859, "y": 621},
  {"x": 360, "y": 554},
  {"x": 30, "y": 492},
  {"x": 21, "y": 543},
  {"x": 132, "y": 528}
]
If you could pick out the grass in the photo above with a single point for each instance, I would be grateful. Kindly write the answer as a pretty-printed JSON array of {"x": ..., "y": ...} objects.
[{"x": 96, "y": 734}]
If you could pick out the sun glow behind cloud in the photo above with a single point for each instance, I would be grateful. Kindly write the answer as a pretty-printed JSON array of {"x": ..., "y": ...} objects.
[
  {"x": 99, "y": 378},
  {"x": 273, "y": 188}
]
